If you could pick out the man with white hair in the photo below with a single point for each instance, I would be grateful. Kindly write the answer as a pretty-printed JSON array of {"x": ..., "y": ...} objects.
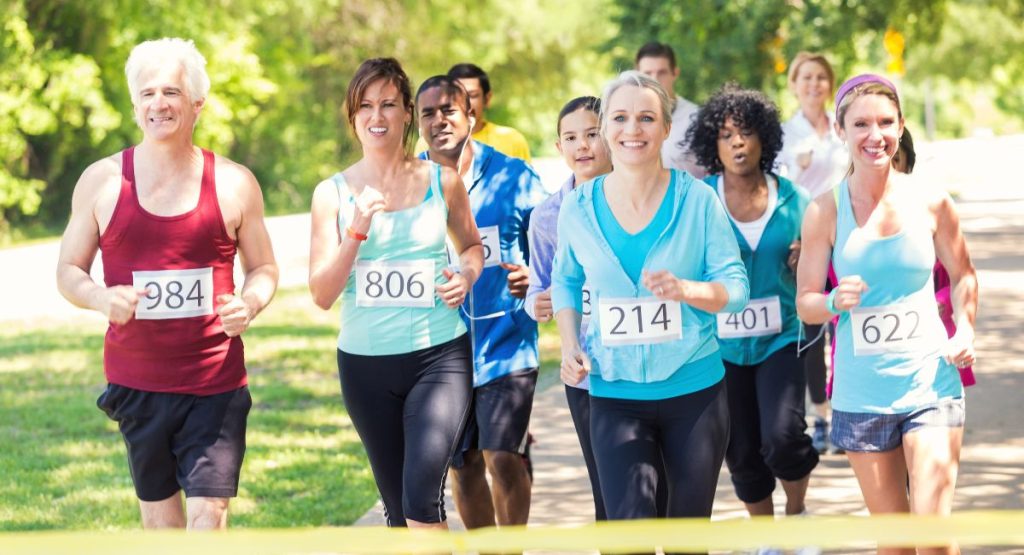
[{"x": 168, "y": 218}]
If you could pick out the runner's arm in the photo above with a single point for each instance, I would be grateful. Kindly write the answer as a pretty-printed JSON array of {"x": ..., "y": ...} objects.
[
  {"x": 815, "y": 251},
  {"x": 254, "y": 247},
  {"x": 951, "y": 249},
  {"x": 331, "y": 255},
  {"x": 462, "y": 227}
]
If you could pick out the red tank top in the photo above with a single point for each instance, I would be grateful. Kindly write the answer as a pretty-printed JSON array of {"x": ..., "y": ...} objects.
[{"x": 175, "y": 343}]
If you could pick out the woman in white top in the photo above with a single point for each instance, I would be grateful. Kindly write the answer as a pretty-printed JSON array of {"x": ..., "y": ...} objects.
[
  {"x": 812, "y": 154},
  {"x": 816, "y": 159}
]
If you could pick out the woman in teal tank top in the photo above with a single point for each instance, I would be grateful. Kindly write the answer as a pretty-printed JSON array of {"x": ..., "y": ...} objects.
[
  {"x": 897, "y": 400},
  {"x": 378, "y": 242}
]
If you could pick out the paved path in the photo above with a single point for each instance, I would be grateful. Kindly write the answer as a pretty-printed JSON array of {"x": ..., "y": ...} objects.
[{"x": 992, "y": 477}]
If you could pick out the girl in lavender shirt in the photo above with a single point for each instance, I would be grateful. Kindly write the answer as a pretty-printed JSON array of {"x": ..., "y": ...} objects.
[{"x": 584, "y": 151}]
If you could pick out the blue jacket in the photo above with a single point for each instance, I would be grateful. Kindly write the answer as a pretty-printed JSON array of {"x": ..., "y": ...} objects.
[
  {"x": 768, "y": 273},
  {"x": 697, "y": 245},
  {"x": 503, "y": 193}
]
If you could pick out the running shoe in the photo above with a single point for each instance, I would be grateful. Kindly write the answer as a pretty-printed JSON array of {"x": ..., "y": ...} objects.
[{"x": 819, "y": 438}]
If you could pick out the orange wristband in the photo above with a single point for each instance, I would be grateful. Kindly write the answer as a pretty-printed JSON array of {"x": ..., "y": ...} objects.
[{"x": 355, "y": 234}]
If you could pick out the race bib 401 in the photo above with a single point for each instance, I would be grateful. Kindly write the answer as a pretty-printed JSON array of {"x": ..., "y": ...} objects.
[
  {"x": 174, "y": 294},
  {"x": 760, "y": 317},
  {"x": 406, "y": 283},
  {"x": 631, "y": 321}
]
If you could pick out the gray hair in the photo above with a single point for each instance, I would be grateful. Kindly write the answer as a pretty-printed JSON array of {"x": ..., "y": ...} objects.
[
  {"x": 155, "y": 52},
  {"x": 633, "y": 78}
]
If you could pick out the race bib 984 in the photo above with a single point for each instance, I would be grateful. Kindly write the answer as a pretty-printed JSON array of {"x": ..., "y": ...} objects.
[
  {"x": 174, "y": 294},
  {"x": 647, "y": 320},
  {"x": 760, "y": 317},
  {"x": 406, "y": 283}
]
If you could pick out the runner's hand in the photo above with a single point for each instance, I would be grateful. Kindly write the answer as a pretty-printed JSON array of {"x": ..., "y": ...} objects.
[
  {"x": 368, "y": 203},
  {"x": 453, "y": 292},
  {"x": 542, "y": 307},
  {"x": 518, "y": 279},
  {"x": 118, "y": 303},
  {"x": 848, "y": 293},
  {"x": 234, "y": 314},
  {"x": 960, "y": 348},
  {"x": 575, "y": 365},
  {"x": 664, "y": 285},
  {"x": 794, "y": 255}
]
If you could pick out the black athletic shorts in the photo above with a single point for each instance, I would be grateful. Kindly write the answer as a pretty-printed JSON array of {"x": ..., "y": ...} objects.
[
  {"x": 500, "y": 415},
  {"x": 176, "y": 441}
]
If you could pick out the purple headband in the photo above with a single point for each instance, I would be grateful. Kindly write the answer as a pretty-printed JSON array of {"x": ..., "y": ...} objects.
[{"x": 860, "y": 80}]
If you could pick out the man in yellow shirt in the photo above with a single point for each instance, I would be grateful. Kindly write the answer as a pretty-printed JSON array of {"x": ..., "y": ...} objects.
[{"x": 505, "y": 140}]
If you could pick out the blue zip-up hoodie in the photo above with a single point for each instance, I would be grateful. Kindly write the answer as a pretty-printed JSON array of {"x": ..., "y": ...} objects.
[
  {"x": 768, "y": 273},
  {"x": 503, "y": 193},
  {"x": 698, "y": 245}
]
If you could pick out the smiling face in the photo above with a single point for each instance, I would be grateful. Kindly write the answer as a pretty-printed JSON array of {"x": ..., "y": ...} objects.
[
  {"x": 634, "y": 127},
  {"x": 162, "y": 108},
  {"x": 581, "y": 145},
  {"x": 443, "y": 121},
  {"x": 871, "y": 128},
  {"x": 380, "y": 117},
  {"x": 812, "y": 85},
  {"x": 739, "y": 149}
]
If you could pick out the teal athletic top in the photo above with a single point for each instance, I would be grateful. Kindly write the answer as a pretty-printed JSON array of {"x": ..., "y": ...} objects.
[
  {"x": 694, "y": 243},
  {"x": 889, "y": 360},
  {"x": 631, "y": 249},
  {"x": 418, "y": 234},
  {"x": 770, "y": 278}
]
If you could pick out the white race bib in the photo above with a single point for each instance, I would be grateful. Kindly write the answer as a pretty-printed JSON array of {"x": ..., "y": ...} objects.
[
  {"x": 174, "y": 293},
  {"x": 491, "y": 240},
  {"x": 760, "y": 317},
  {"x": 902, "y": 327},
  {"x": 587, "y": 304},
  {"x": 406, "y": 283},
  {"x": 647, "y": 320}
]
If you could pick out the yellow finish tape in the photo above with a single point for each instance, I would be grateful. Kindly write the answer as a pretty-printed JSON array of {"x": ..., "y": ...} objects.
[{"x": 967, "y": 528}]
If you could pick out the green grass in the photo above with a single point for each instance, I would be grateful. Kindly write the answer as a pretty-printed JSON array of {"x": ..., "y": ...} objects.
[{"x": 63, "y": 462}]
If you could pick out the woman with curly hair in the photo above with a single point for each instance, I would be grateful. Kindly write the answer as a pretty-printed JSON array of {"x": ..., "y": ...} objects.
[{"x": 737, "y": 137}]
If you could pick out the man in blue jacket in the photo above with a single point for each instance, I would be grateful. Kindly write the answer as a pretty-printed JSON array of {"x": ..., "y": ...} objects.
[{"x": 502, "y": 193}]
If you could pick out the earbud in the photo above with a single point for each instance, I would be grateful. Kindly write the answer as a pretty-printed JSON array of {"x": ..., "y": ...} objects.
[{"x": 472, "y": 122}]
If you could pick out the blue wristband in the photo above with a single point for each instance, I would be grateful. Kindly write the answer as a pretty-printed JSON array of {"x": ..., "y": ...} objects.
[{"x": 830, "y": 302}]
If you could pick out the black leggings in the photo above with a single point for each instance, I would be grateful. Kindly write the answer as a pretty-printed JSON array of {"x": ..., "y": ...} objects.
[
  {"x": 579, "y": 408},
  {"x": 814, "y": 364},
  {"x": 689, "y": 433},
  {"x": 409, "y": 411},
  {"x": 766, "y": 425}
]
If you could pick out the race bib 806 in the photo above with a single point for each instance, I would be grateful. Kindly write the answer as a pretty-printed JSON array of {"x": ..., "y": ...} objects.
[
  {"x": 760, "y": 317},
  {"x": 406, "y": 283},
  {"x": 174, "y": 294},
  {"x": 647, "y": 320}
]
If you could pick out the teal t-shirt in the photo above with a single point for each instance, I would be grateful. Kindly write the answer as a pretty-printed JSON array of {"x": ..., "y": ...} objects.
[{"x": 632, "y": 249}]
